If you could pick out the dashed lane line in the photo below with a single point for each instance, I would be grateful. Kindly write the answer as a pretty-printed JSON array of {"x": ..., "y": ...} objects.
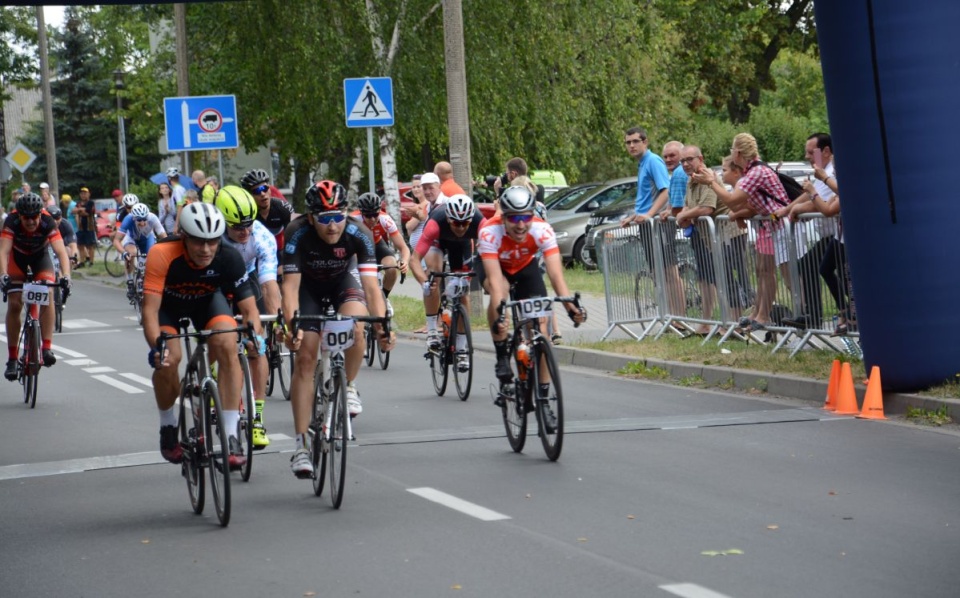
[{"x": 458, "y": 504}]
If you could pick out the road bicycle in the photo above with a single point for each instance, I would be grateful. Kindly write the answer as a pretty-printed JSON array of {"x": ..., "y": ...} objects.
[
  {"x": 30, "y": 358},
  {"x": 58, "y": 294},
  {"x": 279, "y": 358},
  {"x": 454, "y": 320},
  {"x": 202, "y": 438},
  {"x": 248, "y": 407},
  {"x": 536, "y": 387},
  {"x": 331, "y": 428},
  {"x": 373, "y": 347},
  {"x": 135, "y": 291},
  {"x": 113, "y": 262}
]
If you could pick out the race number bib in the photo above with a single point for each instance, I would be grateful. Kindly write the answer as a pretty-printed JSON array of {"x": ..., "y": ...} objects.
[
  {"x": 337, "y": 335},
  {"x": 537, "y": 307},
  {"x": 36, "y": 294}
]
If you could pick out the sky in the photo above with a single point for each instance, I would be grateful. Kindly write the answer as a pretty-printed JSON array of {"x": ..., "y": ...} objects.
[{"x": 53, "y": 15}]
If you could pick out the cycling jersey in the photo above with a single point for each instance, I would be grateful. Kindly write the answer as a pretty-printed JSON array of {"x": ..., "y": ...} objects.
[
  {"x": 259, "y": 253},
  {"x": 496, "y": 244},
  {"x": 67, "y": 232},
  {"x": 170, "y": 275},
  {"x": 438, "y": 233},
  {"x": 385, "y": 227},
  {"x": 277, "y": 220},
  {"x": 122, "y": 213},
  {"x": 143, "y": 237},
  {"x": 27, "y": 243},
  {"x": 305, "y": 253}
]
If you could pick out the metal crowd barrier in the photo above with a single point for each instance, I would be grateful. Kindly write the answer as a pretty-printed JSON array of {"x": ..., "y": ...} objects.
[{"x": 705, "y": 278}]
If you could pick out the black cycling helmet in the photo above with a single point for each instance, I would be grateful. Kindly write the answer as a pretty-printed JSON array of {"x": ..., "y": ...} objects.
[
  {"x": 326, "y": 196},
  {"x": 369, "y": 203},
  {"x": 29, "y": 204},
  {"x": 54, "y": 210},
  {"x": 254, "y": 178}
]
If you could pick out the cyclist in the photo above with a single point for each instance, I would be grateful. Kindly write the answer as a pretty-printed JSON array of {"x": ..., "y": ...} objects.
[
  {"x": 138, "y": 231},
  {"x": 190, "y": 276},
  {"x": 66, "y": 231},
  {"x": 259, "y": 251},
  {"x": 383, "y": 227},
  {"x": 24, "y": 239},
  {"x": 321, "y": 250},
  {"x": 509, "y": 243},
  {"x": 449, "y": 232},
  {"x": 123, "y": 210},
  {"x": 274, "y": 213}
]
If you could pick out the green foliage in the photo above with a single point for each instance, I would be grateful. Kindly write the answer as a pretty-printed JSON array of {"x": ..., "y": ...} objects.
[
  {"x": 641, "y": 370},
  {"x": 17, "y": 28},
  {"x": 938, "y": 417},
  {"x": 780, "y": 134}
]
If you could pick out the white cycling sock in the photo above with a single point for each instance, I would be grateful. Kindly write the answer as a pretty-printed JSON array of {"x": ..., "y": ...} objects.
[
  {"x": 231, "y": 419},
  {"x": 432, "y": 323},
  {"x": 301, "y": 441},
  {"x": 461, "y": 342},
  {"x": 170, "y": 417}
]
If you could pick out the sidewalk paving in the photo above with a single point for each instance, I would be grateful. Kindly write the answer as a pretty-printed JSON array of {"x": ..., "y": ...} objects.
[{"x": 782, "y": 385}]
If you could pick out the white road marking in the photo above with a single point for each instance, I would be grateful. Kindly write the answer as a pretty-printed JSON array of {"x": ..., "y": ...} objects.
[
  {"x": 102, "y": 369},
  {"x": 81, "y": 362},
  {"x": 32, "y": 470},
  {"x": 81, "y": 323},
  {"x": 458, "y": 504},
  {"x": 691, "y": 590},
  {"x": 86, "y": 332},
  {"x": 117, "y": 384},
  {"x": 66, "y": 352},
  {"x": 138, "y": 378}
]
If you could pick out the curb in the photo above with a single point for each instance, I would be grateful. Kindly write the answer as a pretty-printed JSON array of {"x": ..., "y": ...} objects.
[{"x": 780, "y": 385}]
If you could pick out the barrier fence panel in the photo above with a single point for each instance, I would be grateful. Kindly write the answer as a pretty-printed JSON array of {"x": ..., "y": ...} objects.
[{"x": 630, "y": 279}]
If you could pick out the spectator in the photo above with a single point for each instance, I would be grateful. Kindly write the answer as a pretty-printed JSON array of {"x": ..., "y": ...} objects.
[
  {"x": 14, "y": 196},
  {"x": 653, "y": 183},
  {"x": 430, "y": 187},
  {"x": 758, "y": 192},
  {"x": 48, "y": 200},
  {"x": 87, "y": 229},
  {"x": 68, "y": 207},
  {"x": 734, "y": 240},
  {"x": 208, "y": 193},
  {"x": 415, "y": 212},
  {"x": 25, "y": 187},
  {"x": 188, "y": 198},
  {"x": 176, "y": 189},
  {"x": 676, "y": 194},
  {"x": 448, "y": 186},
  {"x": 166, "y": 208},
  {"x": 699, "y": 200},
  {"x": 515, "y": 167},
  {"x": 117, "y": 196}
]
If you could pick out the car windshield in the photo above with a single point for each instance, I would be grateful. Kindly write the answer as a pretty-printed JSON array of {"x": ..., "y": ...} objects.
[{"x": 572, "y": 199}]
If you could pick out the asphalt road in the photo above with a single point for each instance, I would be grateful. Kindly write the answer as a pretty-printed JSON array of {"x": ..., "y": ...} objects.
[{"x": 660, "y": 491}]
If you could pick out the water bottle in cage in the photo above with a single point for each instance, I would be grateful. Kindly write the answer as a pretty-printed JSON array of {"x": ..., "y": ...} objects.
[
  {"x": 523, "y": 356},
  {"x": 446, "y": 322}
]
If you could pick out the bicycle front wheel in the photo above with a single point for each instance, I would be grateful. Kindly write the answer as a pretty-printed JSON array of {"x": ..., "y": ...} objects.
[
  {"x": 383, "y": 356},
  {"x": 58, "y": 306},
  {"x": 217, "y": 450},
  {"x": 247, "y": 411},
  {"x": 318, "y": 428},
  {"x": 338, "y": 435},
  {"x": 514, "y": 410},
  {"x": 284, "y": 370},
  {"x": 548, "y": 398},
  {"x": 113, "y": 262},
  {"x": 191, "y": 442},
  {"x": 371, "y": 344},
  {"x": 462, "y": 359},
  {"x": 31, "y": 361}
]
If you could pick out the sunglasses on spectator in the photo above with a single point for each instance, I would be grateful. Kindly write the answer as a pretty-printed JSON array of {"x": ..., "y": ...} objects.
[
  {"x": 330, "y": 217},
  {"x": 261, "y": 189},
  {"x": 518, "y": 218},
  {"x": 241, "y": 227},
  {"x": 370, "y": 214}
]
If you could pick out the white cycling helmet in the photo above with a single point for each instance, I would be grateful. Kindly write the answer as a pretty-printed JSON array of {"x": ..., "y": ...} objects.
[
  {"x": 459, "y": 207},
  {"x": 516, "y": 200},
  {"x": 130, "y": 200},
  {"x": 202, "y": 220},
  {"x": 140, "y": 211},
  {"x": 172, "y": 172}
]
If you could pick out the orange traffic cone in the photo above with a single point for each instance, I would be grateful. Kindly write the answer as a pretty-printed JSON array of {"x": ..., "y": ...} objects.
[
  {"x": 846, "y": 395},
  {"x": 833, "y": 387},
  {"x": 873, "y": 400}
]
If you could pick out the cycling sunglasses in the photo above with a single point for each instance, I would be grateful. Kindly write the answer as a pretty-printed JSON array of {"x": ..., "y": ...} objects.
[
  {"x": 241, "y": 227},
  {"x": 330, "y": 217},
  {"x": 460, "y": 223},
  {"x": 140, "y": 219},
  {"x": 518, "y": 218},
  {"x": 370, "y": 214},
  {"x": 260, "y": 189}
]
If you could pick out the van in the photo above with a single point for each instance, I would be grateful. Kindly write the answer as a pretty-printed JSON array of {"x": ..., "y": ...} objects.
[{"x": 550, "y": 179}]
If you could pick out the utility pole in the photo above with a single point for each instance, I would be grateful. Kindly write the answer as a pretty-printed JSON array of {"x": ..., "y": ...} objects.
[
  {"x": 183, "y": 78},
  {"x": 50, "y": 141},
  {"x": 458, "y": 119}
]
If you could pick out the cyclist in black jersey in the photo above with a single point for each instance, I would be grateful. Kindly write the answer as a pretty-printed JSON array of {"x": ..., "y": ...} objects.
[
  {"x": 274, "y": 213},
  {"x": 322, "y": 248}
]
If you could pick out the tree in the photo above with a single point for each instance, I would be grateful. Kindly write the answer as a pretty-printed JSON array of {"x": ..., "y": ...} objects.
[{"x": 17, "y": 29}]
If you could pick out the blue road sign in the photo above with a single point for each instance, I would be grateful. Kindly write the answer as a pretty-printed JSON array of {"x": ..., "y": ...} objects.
[
  {"x": 201, "y": 123},
  {"x": 368, "y": 102}
]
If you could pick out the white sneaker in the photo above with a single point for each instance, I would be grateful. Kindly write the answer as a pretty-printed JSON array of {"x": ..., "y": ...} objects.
[
  {"x": 301, "y": 465},
  {"x": 354, "y": 407}
]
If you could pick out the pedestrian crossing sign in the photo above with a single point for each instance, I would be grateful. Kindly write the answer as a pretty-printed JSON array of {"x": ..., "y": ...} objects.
[{"x": 368, "y": 102}]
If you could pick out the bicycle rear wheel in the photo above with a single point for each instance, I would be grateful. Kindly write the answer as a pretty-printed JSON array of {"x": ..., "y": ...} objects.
[
  {"x": 58, "y": 309},
  {"x": 440, "y": 362},
  {"x": 113, "y": 262},
  {"x": 462, "y": 376},
  {"x": 217, "y": 450},
  {"x": 383, "y": 356},
  {"x": 317, "y": 429},
  {"x": 370, "y": 353},
  {"x": 247, "y": 411},
  {"x": 338, "y": 434},
  {"x": 549, "y": 404},
  {"x": 31, "y": 363},
  {"x": 284, "y": 370},
  {"x": 191, "y": 442},
  {"x": 514, "y": 409}
]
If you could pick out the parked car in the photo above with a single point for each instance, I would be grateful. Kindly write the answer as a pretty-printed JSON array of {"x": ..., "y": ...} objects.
[
  {"x": 106, "y": 220},
  {"x": 559, "y": 195},
  {"x": 570, "y": 221}
]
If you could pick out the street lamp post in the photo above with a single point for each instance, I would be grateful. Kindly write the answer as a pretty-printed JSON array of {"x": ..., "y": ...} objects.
[{"x": 121, "y": 134}]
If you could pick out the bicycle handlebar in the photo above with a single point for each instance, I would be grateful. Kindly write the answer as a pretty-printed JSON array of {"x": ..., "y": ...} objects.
[
  {"x": 298, "y": 317},
  {"x": 403, "y": 275},
  {"x": 202, "y": 335},
  {"x": 504, "y": 304},
  {"x": 42, "y": 283}
]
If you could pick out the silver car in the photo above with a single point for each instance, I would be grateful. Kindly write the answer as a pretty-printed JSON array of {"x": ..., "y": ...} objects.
[{"x": 570, "y": 216}]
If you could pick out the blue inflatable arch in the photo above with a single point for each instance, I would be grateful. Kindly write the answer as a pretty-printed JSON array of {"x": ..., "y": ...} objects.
[{"x": 891, "y": 71}]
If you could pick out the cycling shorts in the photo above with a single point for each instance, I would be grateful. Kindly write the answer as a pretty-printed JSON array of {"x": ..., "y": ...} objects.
[
  {"x": 314, "y": 302},
  {"x": 39, "y": 264},
  {"x": 204, "y": 316}
]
